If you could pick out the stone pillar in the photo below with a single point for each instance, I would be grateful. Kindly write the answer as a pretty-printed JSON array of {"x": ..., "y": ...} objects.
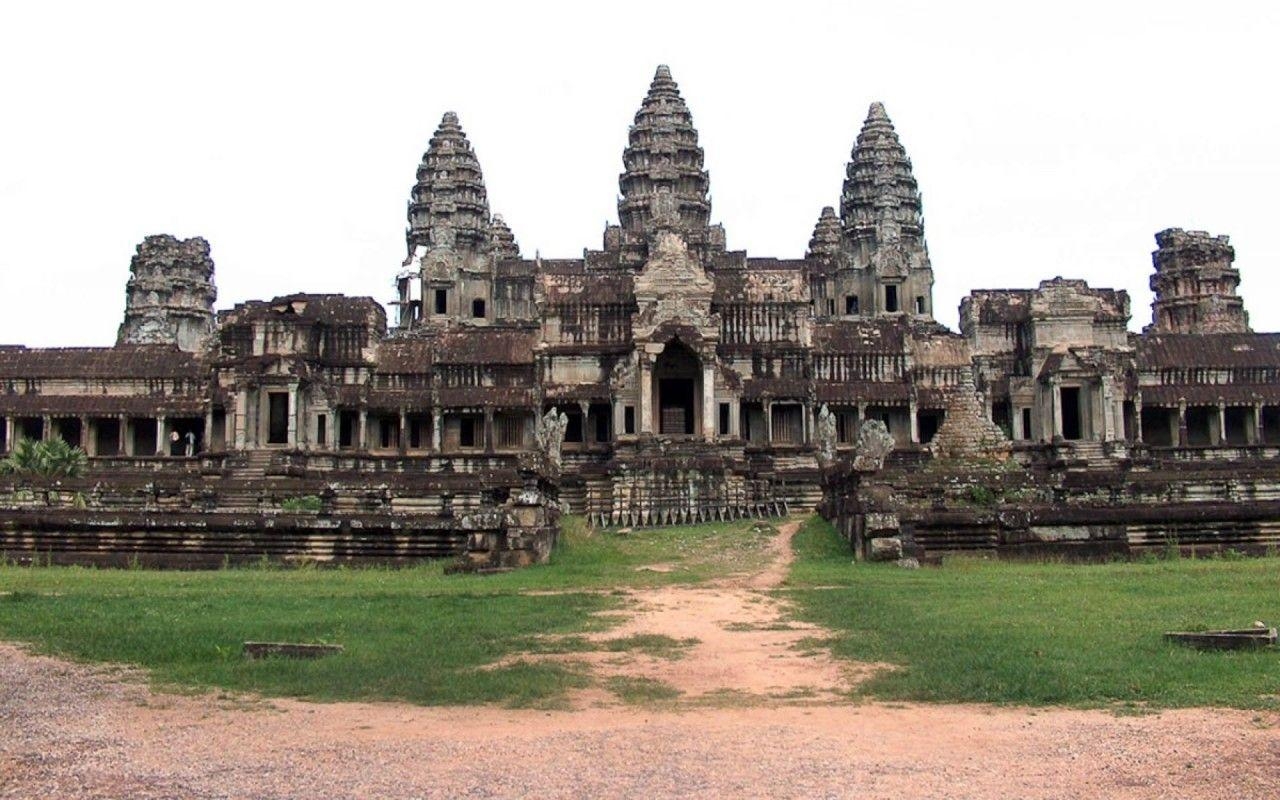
[
  {"x": 646, "y": 394},
  {"x": 807, "y": 423},
  {"x": 1258, "y": 433},
  {"x": 1107, "y": 420},
  {"x": 123, "y": 445},
  {"x": 362, "y": 428},
  {"x": 207, "y": 442},
  {"x": 488, "y": 429},
  {"x": 1055, "y": 402},
  {"x": 735, "y": 419},
  {"x": 437, "y": 430},
  {"x": 242, "y": 420},
  {"x": 162, "y": 436},
  {"x": 1182, "y": 423},
  {"x": 88, "y": 442},
  {"x": 709, "y": 415},
  {"x": 291, "y": 437},
  {"x": 768, "y": 421},
  {"x": 10, "y": 428},
  {"x": 913, "y": 412},
  {"x": 618, "y": 417},
  {"x": 1137, "y": 417},
  {"x": 1221, "y": 438},
  {"x": 46, "y": 427},
  {"x": 403, "y": 442}
]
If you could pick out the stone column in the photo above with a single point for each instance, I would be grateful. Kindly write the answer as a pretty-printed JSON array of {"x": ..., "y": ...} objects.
[
  {"x": 1182, "y": 423},
  {"x": 242, "y": 420},
  {"x": 1055, "y": 402},
  {"x": 768, "y": 420},
  {"x": 488, "y": 429},
  {"x": 735, "y": 418},
  {"x": 207, "y": 442},
  {"x": 618, "y": 417},
  {"x": 1137, "y": 417},
  {"x": 1108, "y": 421},
  {"x": 122, "y": 446},
  {"x": 913, "y": 412},
  {"x": 291, "y": 437},
  {"x": 437, "y": 430},
  {"x": 403, "y": 441},
  {"x": 162, "y": 436},
  {"x": 709, "y": 416},
  {"x": 10, "y": 428},
  {"x": 87, "y": 440},
  {"x": 646, "y": 393},
  {"x": 1258, "y": 433},
  {"x": 362, "y": 423},
  {"x": 46, "y": 427},
  {"x": 807, "y": 424},
  {"x": 1222, "y": 424}
]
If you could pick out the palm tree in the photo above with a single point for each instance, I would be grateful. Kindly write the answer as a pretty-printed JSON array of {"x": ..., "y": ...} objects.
[{"x": 49, "y": 459}]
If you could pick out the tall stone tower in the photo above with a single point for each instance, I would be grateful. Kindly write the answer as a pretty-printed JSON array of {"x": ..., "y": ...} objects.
[
  {"x": 170, "y": 294},
  {"x": 883, "y": 220},
  {"x": 663, "y": 187},
  {"x": 1195, "y": 285},
  {"x": 453, "y": 242}
]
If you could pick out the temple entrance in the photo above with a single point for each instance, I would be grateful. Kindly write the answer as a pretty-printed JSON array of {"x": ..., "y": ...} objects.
[
  {"x": 1071, "y": 427},
  {"x": 277, "y": 418},
  {"x": 677, "y": 380}
]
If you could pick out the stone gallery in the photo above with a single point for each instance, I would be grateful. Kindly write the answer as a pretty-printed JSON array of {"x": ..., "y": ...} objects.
[{"x": 659, "y": 379}]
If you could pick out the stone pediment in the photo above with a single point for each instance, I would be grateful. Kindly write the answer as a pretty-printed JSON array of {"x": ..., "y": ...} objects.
[{"x": 673, "y": 289}]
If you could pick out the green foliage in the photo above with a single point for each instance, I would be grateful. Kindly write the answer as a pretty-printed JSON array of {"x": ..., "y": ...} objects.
[
  {"x": 980, "y": 495},
  {"x": 48, "y": 459},
  {"x": 1042, "y": 633},
  {"x": 641, "y": 691},
  {"x": 307, "y": 502}
]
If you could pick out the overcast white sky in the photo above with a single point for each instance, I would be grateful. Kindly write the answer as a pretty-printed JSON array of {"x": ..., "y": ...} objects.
[{"x": 1047, "y": 140}]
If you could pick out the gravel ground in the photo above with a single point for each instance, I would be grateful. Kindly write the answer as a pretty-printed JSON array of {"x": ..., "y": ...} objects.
[
  {"x": 77, "y": 731},
  {"x": 71, "y": 731}
]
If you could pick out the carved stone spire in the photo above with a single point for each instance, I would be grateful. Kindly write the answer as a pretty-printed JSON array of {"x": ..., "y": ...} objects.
[
  {"x": 826, "y": 235},
  {"x": 664, "y": 185},
  {"x": 448, "y": 205},
  {"x": 881, "y": 202},
  {"x": 1195, "y": 285},
  {"x": 169, "y": 298},
  {"x": 502, "y": 240}
]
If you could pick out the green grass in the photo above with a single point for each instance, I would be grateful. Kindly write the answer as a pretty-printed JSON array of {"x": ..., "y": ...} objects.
[
  {"x": 1042, "y": 633},
  {"x": 411, "y": 634},
  {"x": 641, "y": 691}
]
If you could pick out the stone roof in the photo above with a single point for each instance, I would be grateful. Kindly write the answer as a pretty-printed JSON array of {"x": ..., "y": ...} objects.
[
  {"x": 99, "y": 404},
  {"x": 325, "y": 309},
  {"x": 860, "y": 336},
  {"x": 485, "y": 346},
  {"x": 449, "y": 205},
  {"x": 1223, "y": 350},
  {"x": 879, "y": 184},
  {"x": 120, "y": 362}
]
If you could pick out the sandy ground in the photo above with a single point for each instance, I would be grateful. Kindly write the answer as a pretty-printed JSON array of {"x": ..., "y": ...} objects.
[{"x": 73, "y": 731}]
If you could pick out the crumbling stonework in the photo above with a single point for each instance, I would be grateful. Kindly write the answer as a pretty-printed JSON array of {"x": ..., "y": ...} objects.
[
  {"x": 1195, "y": 285},
  {"x": 170, "y": 295}
]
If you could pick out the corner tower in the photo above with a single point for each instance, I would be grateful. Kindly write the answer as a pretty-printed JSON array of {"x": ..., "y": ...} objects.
[
  {"x": 170, "y": 294},
  {"x": 453, "y": 241},
  {"x": 886, "y": 266},
  {"x": 1195, "y": 285}
]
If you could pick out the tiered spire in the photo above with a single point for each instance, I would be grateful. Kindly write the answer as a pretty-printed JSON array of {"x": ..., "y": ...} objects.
[
  {"x": 1195, "y": 284},
  {"x": 449, "y": 206},
  {"x": 664, "y": 184},
  {"x": 826, "y": 235},
  {"x": 881, "y": 201},
  {"x": 502, "y": 240}
]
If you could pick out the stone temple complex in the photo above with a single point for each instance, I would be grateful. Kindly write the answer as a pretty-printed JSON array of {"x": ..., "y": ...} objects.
[{"x": 680, "y": 381}]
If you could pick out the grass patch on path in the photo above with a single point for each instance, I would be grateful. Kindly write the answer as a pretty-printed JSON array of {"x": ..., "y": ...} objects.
[
  {"x": 1042, "y": 633},
  {"x": 412, "y": 634}
]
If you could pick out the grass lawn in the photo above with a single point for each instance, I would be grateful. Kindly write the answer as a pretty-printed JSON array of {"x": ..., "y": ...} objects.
[
  {"x": 409, "y": 634},
  {"x": 1043, "y": 633}
]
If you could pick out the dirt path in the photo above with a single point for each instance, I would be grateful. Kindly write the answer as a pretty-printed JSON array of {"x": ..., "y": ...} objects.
[
  {"x": 739, "y": 646},
  {"x": 72, "y": 731}
]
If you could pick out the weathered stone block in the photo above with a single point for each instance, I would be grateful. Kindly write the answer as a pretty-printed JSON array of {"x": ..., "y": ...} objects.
[{"x": 885, "y": 548}]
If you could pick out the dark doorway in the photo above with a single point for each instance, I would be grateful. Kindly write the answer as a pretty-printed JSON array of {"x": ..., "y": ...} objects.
[
  {"x": 1070, "y": 412},
  {"x": 31, "y": 428},
  {"x": 1200, "y": 426},
  {"x": 928, "y": 424},
  {"x": 1026, "y": 423},
  {"x": 677, "y": 380},
  {"x": 891, "y": 299},
  {"x": 277, "y": 418},
  {"x": 346, "y": 424},
  {"x": 1159, "y": 426},
  {"x": 1238, "y": 422},
  {"x": 68, "y": 430}
]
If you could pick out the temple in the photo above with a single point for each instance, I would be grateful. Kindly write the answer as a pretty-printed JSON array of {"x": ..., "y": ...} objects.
[{"x": 688, "y": 381}]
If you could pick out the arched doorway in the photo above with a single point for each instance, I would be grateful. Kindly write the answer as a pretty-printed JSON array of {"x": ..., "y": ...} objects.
[{"x": 677, "y": 390}]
